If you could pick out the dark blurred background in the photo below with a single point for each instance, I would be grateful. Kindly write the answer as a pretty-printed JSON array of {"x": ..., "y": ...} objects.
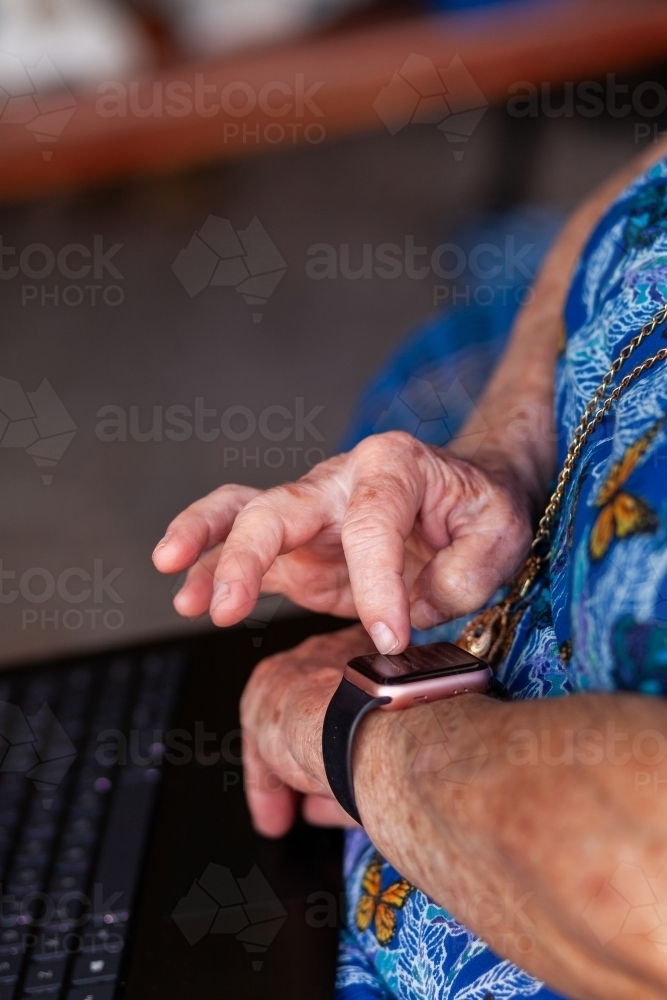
[{"x": 201, "y": 308}]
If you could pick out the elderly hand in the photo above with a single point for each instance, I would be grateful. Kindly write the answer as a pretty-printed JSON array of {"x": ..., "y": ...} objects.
[
  {"x": 393, "y": 531},
  {"x": 282, "y": 712}
]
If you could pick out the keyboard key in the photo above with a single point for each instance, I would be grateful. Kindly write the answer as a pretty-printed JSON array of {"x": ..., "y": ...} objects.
[
  {"x": 109, "y": 940},
  {"x": 42, "y": 808},
  {"x": 41, "y": 975},
  {"x": 26, "y": 875},
  {"x": 9, "y": 939},
  {"x": 31, "y": 851},
  {"x": 23, "y": 890},
  {"x": 10, "y": 912},
  {"x": 95, "y": 968},
  {"x": 98, "y": 991},
  {"x": 81, "y": 830},
  {"x": 68, "y": 907},
  {"x": 74, "y": 855},
  {"x": 68, "y": 881},
  {"x": 10, "y": 966},
  {"x": 49, "y": 945},
  {"x": 40, "y": 827}
]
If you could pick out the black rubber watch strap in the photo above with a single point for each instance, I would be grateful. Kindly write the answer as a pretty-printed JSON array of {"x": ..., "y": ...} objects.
[
  {"x": 497, "y": 689},
  {"x": 346, "y": 710}
]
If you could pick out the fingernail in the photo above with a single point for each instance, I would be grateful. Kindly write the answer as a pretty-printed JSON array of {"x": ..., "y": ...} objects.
[
  {"x": 163, "y": 541},
  {"x": 220, "y": 593},
  {"x": 383, "y": 637}
]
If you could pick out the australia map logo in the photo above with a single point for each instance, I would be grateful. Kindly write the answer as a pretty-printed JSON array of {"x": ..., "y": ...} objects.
[
  {"x": 419, "y": 93},
  {"x": 246, "y": 260},
  {"x": 36, "y": 422},
  {"x": 35, "y": 97},
  {"x": 218, "y": 903}
]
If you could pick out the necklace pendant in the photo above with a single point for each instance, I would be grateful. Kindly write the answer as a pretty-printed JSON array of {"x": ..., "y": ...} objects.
[
  {"x": 490, "y": 633},
  {"x": 483, "y": 634}
]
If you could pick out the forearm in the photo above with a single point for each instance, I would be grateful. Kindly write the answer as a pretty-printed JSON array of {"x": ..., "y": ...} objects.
[
  {"x": 518, "y": 853},
  {"x": 515, "y": 414}
]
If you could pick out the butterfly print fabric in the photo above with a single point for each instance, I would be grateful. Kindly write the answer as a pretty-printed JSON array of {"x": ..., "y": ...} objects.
[{"x": 598, "y": 620}]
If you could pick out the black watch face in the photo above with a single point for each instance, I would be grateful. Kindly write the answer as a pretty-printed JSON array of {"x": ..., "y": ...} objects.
[{"x": 438, "y": 659}]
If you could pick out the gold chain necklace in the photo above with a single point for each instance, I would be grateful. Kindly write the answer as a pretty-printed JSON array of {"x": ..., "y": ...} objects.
[{"x": 489, "y": 634}]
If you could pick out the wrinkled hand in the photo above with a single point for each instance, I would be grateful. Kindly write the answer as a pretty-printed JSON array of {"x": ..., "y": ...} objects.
[
  {"x": 282, "y": 713},
  {"x": 393, "y": 531}
]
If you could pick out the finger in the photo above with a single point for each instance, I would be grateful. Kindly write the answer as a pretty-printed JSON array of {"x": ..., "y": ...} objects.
[
  {"x": 201, "y": 526},
  {"x": 313, "y": 580},
  {"x": 272, "y": 803},
  {"x": 277, "y": 522},
  {"x": 461, "y": 578},
  {"x": 194, "y": 597},
  {"x": 379, "y": 518},
  {"x": 321, "y": 811}
]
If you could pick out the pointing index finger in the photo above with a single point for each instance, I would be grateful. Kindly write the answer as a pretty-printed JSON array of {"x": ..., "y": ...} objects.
[{"x": 381, "y": 513}]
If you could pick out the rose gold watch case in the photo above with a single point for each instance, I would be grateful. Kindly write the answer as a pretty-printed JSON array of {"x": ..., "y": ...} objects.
[{"x": 419, "y": 692}]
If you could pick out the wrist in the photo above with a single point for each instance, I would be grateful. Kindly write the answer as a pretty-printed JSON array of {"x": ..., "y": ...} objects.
[
  {"x": 310, "y": 676},
  {"x": 307, "y": 722},
  {"x": 422, "y": 767}
]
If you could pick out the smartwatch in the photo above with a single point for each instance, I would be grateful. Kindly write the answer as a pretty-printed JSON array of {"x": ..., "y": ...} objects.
[{"x": 418, "y": 675}]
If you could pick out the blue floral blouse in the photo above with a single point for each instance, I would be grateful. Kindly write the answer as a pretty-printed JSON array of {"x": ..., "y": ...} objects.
[{"x": 598, "y": 621}]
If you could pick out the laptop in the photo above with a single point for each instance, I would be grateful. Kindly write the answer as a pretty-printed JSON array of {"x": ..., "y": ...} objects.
[{"x": 130, "y": 869}]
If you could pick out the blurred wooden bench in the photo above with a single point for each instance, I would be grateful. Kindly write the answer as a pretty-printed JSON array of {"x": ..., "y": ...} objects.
[{"x": 347, "y": 69}]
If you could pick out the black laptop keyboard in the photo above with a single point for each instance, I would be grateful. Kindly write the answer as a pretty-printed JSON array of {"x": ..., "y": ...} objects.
[{"x": 80, "y": 757}]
